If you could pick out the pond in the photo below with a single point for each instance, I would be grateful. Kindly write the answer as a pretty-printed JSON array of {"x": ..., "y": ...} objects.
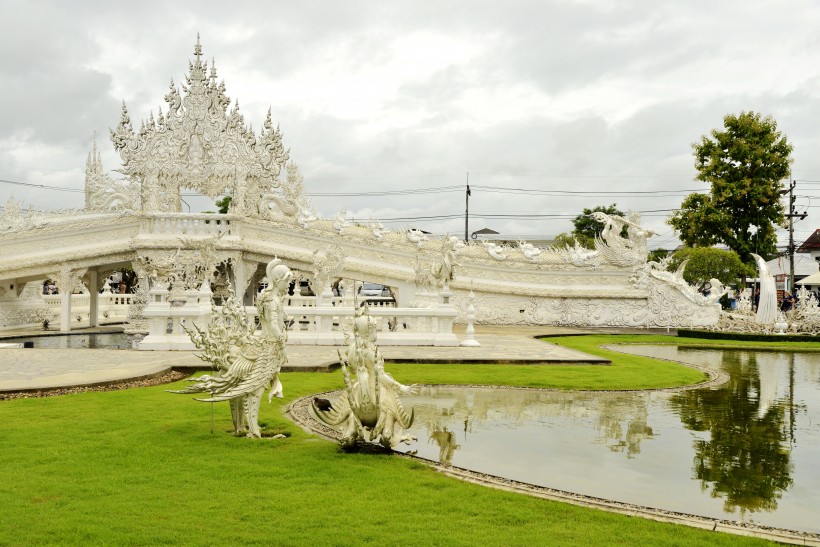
[
  {"x": 748, "y": 450},
  {"x": 109, "y": 340}
]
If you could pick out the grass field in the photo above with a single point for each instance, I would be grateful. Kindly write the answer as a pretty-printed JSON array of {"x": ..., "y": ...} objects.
[
  {"x": 141, "y": 467},
  {"x": 590, "y": 343},
  {"x": 625, "y": 372}
]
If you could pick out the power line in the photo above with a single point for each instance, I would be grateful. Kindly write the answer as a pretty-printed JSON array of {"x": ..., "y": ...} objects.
[
  {"x": 584, "y": 193},
  {"x": 499, "y": 216},
  {"x": 432, "y": 190},
  {"x": 43, "y": 186},
  {"x": 544, "y": 176},
  {"x": 379, "y": 177},
  {"x": 439, "y": 190}
]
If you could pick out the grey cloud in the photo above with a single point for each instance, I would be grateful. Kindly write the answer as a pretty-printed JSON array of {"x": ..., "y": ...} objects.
[{"x": 51, "y": 94}]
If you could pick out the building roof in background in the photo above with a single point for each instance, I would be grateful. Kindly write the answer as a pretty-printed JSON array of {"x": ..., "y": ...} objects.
[
  {"x": 813, "y": 279},
  {"x": 811, "y": 244},
  {"x": 804, "y": 265}
]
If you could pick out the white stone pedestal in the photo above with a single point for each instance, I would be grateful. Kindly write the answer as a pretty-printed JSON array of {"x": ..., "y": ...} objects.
[{"x": 166, "y": 321}]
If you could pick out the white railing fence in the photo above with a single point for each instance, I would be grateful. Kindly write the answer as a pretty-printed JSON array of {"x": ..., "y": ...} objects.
[
  {"x": 111, "y": 308},
  {"x": 311, "y": 324}
]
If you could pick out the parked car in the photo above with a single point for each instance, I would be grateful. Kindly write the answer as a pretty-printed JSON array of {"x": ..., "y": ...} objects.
[{"x": 374, "y": 289}]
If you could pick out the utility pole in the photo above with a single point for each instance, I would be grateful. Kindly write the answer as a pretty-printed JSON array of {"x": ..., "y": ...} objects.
[
  {"x": 467, "y": 212},
  {"x": 791, "y": 215}
]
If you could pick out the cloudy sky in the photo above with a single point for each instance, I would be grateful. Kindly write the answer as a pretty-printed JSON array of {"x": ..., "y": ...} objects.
[{"x": 596, "y": 101}]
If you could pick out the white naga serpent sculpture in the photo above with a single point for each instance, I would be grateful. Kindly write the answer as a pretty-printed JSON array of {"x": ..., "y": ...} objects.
[{"x": 370, "y": 408}]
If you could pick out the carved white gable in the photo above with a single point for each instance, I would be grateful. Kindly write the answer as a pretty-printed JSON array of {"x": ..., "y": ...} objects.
[{"x": 199, "y": 145}]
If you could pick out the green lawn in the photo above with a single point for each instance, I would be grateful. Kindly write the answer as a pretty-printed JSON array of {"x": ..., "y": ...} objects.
[
  {"x": 592, "y": 341},
  {"x": 141, "y": 466},
  {"x": 625, "y": 372}
]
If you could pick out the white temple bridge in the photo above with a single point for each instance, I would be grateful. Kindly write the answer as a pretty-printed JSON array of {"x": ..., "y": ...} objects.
[{"x": 201, "y": 144}]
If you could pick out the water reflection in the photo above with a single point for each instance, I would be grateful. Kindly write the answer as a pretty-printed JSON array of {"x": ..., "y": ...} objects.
[
  {"x": 746, "y": 460},
  {"x": 446, "y": 441},
  {"x": 746, "y": 450},
  {"x": 621, "y": 420},
  {"x": 108, "y": 340}
]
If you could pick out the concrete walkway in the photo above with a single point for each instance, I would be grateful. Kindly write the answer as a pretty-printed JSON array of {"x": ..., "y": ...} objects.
[{"x": 35, "y": 369}]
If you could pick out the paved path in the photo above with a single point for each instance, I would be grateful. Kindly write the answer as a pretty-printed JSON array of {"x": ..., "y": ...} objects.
[{"x": 32, "y": 369}]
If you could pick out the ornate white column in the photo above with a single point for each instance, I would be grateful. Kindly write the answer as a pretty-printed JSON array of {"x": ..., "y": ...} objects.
[
  {"x": 93, "y": 300},
  {"x": 244, "y": 273},
  {"x": 150, "y": 189},
  {"x": 67, "y": 280},
  {"x": 238, "y": 194}
]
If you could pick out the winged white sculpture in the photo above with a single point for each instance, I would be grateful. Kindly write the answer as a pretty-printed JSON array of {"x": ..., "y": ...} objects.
[
  {"x": 247, "y": 361},
  {"x": 370, "y": 407}
]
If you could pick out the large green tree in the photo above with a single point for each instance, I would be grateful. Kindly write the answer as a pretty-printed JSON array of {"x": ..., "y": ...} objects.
[
  {"x": 745, "y": 164},
  {"x": 587, "y": 228},
  {"x": 705, "y": 263}
]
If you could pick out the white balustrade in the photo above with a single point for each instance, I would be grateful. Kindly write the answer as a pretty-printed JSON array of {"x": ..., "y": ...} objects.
[
  {"x": 318, "y": 325},
  {"x": 325, "y": 325},
  {"x": 111, "y": 308},
  {"x": 177, "y": 224},
  {"x": 312, "y": 325}
]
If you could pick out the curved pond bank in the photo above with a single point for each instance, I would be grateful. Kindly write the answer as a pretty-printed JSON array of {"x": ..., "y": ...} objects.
[{"x": 745, "y": 452}]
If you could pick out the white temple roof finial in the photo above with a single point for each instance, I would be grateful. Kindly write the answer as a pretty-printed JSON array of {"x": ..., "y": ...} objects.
[{"x": 197, "y": 49}]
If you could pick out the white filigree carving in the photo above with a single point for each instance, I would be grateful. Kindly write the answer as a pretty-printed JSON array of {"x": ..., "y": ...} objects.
[
  {"x": 248, "y": 362},
  {"x": 103, "y": 193},
  {"x": 340, "y": 222},
  {"x": 197, "y": 144},
  {"x": 618, "y": 250},
  {"x": 494, "y": 250},
  {"x": 12, "y": 217},
  {"x": 443, "y": 270},
  {"x": 376, "y": 229},
  {"x": 716, "y": 291},
  {"x": 289, "y": 201},
  {"x": 416, "y": 237},
  {"x": 529, "y": 250},
  {"x": 370, "y": 408},
  {"x": 327, "y": 266},
  {"x": 137, "y": 322}
]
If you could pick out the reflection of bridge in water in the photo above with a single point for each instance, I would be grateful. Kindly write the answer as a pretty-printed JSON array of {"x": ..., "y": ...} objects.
[{"x": 200, "y": 144}]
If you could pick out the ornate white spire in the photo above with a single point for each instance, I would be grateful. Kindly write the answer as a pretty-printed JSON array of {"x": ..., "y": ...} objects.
[
  {"x": 199, "y": 145},
  {"x": 197, "y": 49}
]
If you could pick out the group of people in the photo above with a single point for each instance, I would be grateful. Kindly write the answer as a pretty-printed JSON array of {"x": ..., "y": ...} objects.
[{"x": 786, "y": 303}]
